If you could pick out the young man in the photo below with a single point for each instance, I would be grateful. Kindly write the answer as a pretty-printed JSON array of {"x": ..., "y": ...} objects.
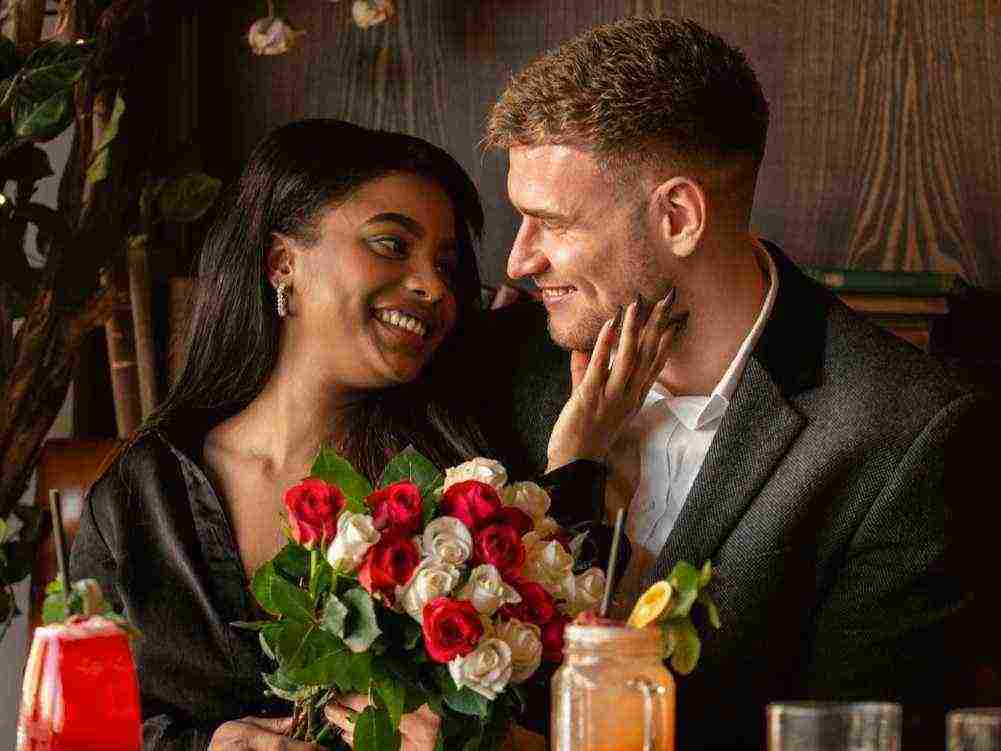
[{"x": 798, "y": 447}]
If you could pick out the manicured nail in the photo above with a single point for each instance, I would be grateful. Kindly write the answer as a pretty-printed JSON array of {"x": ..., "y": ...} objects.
[
  {"x": 669, "y": 298},
  {"x": 618, "y": 317}
]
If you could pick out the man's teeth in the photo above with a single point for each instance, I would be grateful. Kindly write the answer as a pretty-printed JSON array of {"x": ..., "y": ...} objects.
[
  {"x": 554, "y": 293},
  {"x": 402, "y": 320}
]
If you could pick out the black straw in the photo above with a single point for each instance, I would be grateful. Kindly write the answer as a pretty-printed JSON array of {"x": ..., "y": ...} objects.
[{"x": 612, "y": 561}]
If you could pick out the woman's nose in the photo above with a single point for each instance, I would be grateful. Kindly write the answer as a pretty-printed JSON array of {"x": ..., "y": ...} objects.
[{"x": 427, "y": 286}]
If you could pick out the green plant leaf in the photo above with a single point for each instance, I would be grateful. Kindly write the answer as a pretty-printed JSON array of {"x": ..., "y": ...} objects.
[
  {"x": 711, "y": 610},
  {"x": 362, "y": 627},
  {"x": 394, "y": 696},
  {"x": 334, "y": 617},
  {"x": 268, "y": 636},
  {"x": 41, "y": 83},
  {"x": 684, "y": 579},
  {"x": 3, "y": 530},
  {"x": 411, "y": 465},
  {"x": 292, "y": 561},
  {"x": 468, "y": 702},
  {"x": 279, "y": 684},
  {"x": 279, "y": 597},
  {"x": 374, "y": 731},
  {"x": 100, "y": 161},
  {"x": 334, "y": 469},
  {"x": 187, "y": 198},
  {"x": 687, "y": 647},
  {"x": 706, "y": 574},
  {"x": 251, "y": 625},
  {"x": 287, "y": 642},
  {"x": 43, "y": 121}
]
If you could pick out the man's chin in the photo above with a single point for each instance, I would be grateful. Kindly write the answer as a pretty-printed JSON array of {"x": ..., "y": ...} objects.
[{"x": 572, "y": 339}]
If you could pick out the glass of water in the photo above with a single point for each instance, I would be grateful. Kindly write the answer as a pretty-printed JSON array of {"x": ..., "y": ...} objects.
[{"x": 834, "y": 726}]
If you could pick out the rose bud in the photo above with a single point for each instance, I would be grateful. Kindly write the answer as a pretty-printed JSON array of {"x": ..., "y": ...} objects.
[
  {"x": 516, "y": 518},
  {"x": 313, "y": 507},
  {"x": 537, "y": 605},
  {"x": 272, "y": 36},
  {"x": 389, "y": 564},
  {"x": 367, "y": 13},
  {"x": 500, "y": 546},
  {"x": 471, "y": 502},
  {"x": 552, "y": 638},
  {"x": 397, "y": 508},
  {"x": 451, "y": 629}
]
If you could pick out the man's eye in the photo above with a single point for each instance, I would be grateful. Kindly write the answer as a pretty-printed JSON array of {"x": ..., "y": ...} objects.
[{"x": 389, "y": 245}]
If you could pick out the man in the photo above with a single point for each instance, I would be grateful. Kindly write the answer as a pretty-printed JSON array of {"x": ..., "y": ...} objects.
[{"x": 798, "y": 447}]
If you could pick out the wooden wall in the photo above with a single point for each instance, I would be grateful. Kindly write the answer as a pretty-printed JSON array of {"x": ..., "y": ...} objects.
[{"x": 884, "y": 150}]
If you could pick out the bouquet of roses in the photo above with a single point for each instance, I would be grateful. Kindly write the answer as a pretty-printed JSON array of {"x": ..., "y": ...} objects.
[{"x": 446, "y": 590}]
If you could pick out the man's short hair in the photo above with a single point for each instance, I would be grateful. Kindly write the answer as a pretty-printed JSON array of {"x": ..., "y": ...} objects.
[{"x": 638, "y": 93}]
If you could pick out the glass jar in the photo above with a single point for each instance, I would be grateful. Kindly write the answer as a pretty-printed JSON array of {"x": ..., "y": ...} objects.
[{"x": 612, "y": 692}]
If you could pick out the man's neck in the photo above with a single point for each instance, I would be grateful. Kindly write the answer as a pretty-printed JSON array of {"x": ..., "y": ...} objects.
[{"x": 725, "y": 300}]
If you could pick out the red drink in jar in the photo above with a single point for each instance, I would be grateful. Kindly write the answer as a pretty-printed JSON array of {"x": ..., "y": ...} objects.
[{"x": 80, "y": 690}]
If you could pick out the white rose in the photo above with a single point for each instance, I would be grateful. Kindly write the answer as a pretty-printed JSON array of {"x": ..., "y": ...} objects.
[
  {"x": 546, "y": 527},
  {"x": 528, "y": 497},
  {"x": 487, "y": 591},
  {"x": 368, "y": 13},
  {"x": 448, "y": 540},
  {"x": 549, "y": 564},
  {"x": 589, "y": 588},
  {"x": 484, "y": 470},
  {"x": 431, "y": 579},
  {"x": 355, "y": 535},
  {"x": 525, "y": 641},
  {"x": 486, "y": 670}
]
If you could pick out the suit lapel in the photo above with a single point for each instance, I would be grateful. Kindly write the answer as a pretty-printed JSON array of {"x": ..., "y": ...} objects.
[
  {"x": 754, "y": 435},
  {"x": 759, "y": 426}
]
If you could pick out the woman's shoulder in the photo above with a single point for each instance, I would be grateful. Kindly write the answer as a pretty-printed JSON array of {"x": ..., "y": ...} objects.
[{"x": 146, "y": 460}]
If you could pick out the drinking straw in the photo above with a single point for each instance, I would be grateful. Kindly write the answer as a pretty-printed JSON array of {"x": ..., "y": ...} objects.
[
  {"x": 606, "y": 600},
  {"x": 59, "y": 536}
]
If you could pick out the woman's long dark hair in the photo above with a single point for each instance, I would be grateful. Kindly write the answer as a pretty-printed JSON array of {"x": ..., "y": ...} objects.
[{"x": 293, "y": 176}]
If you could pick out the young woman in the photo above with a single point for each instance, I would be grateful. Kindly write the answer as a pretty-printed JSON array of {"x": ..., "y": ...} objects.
[{"x": 342, "y": 265}]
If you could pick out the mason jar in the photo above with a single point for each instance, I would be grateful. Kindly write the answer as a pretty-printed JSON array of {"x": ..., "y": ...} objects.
[{"x": 612, "y": 691}]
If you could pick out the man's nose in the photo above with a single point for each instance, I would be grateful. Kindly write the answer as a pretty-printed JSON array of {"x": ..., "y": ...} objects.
[{"x": 526, "y": 258}]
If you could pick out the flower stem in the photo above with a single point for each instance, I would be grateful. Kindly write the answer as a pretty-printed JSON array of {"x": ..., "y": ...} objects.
[{"x": 314, "y": 572}]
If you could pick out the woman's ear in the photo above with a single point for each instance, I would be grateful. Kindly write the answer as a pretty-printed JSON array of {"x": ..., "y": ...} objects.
[
  {"x": 280, "y": 259},
  {"x": 679, "y": 208}
]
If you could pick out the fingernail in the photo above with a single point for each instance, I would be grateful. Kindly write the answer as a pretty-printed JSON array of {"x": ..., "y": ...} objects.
[
  {"x": 618, "y": 317},
  {"x": 670, "y": 297}
]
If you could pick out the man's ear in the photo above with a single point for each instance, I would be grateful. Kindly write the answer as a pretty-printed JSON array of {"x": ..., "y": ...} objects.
[
  {"x": 679, "y": 212},
  {"x": 280, "y": 258}
]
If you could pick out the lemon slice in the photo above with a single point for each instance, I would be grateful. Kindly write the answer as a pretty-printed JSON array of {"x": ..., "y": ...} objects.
[{"x": 649, "y": 607}]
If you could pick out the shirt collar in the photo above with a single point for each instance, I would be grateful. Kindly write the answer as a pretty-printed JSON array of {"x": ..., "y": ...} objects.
[{"x": 696, "y": 412}]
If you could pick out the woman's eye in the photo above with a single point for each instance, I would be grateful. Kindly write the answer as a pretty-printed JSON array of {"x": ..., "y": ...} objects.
[
  {"x": 448, "y": 266},
  {"x": 389, "y": 245}
]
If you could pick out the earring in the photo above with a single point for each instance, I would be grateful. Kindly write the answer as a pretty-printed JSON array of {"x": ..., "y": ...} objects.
[{"x": 282, "y": 295}]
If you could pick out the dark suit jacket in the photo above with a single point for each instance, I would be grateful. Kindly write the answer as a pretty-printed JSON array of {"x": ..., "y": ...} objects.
[{"x": 821, "y": 503}]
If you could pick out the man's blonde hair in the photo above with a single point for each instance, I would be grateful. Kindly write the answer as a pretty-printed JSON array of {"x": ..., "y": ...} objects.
[{"x": 639, "y": 94}]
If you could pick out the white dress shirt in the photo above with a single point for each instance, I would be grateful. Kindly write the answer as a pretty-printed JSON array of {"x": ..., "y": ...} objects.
[{"x": 669, "y": 439}]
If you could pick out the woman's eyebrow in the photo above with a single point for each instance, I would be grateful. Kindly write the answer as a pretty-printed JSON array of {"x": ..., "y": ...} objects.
[{"x": 411, "y": 225}]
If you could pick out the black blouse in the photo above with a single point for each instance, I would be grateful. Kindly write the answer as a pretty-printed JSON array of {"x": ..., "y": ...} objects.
[{"x": 156, "y": 536}]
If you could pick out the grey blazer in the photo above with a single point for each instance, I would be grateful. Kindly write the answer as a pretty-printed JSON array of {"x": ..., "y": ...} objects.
[{"x": 821, "y": 502}]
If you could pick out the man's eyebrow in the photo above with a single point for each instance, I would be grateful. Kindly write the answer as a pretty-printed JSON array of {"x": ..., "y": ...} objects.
[
  {"x": 411, "y": 225},
  {"x": 552, "y": 216}
]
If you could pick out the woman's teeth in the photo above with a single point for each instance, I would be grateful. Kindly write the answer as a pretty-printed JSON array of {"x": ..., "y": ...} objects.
[{"x": 403, "y": 321}]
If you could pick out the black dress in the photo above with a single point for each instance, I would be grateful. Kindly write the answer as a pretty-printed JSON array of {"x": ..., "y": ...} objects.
[{"x": 156, "y": 535}]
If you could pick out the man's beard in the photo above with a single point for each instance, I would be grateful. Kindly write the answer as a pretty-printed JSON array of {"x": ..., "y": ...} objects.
[{"x": 581, "y": 334}]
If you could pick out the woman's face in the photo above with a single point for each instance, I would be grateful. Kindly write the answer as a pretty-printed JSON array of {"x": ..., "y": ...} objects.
[{"x": 374, "y": 298}]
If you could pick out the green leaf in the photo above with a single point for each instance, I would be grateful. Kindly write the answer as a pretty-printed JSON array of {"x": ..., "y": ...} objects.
[
  {"x": 292, "y": 561},
  {"x": 362, "y": 627},
  {"x": 687, "y": 647},
  {"x": 468, "y": 702},
  {"x": 684, "y": 580},
  {"x": 187, "y": 198},
  {"x": 54, "y": 610},
  {"x": 41, "y": 83},
  {"x": 473, "y": 744},
  {"x": 279, "y": 684},
  {"x": 279, "y": 597},
  {"x": 411, "y": 465},
  {"x": 336, "y": 470},
  {"x": 251, "y": 625},
  {"x": 706, "y": 574},
  {"x": 3, "y": 530},
  {"x": 268, "y": 637},
  {"x": 374, "y": 731},
  {"x": 43, "y": 121},
  {"x": 326, "y": 578},
  {"x": 334, "y": 617},
  {"x": 394, "y": 695},
  {"x": 287, "y": 642},
  {"x": 100, "y": 162}
]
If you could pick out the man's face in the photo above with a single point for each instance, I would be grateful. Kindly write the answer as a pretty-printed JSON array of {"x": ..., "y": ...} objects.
[{"x": 584, "y": 246}]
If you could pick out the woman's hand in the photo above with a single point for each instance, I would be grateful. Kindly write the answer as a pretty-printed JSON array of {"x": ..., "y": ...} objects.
[
  {"x": 604, "y": 399},
  {"x": 257, "y": 734},
  {"x": 418, "y": 729}
]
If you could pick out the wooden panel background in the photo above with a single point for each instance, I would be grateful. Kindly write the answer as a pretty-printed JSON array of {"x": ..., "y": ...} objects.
[{"x": 884, "y": 150}]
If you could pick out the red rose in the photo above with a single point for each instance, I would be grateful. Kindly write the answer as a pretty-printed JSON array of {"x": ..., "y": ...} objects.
[
  {"x": 451, "y": 628},
  {"x": 472, "y": 502},
  {"x": 313, "y": 507},
  {"x": 397, "y": 507},
  {"x": 499, "y": 545},
  {"x": 516, "y": 518},
  {"x": 388, "y": 564},
  {"x": 552, "y": 638},
  {"x": 537, "y": 605}
]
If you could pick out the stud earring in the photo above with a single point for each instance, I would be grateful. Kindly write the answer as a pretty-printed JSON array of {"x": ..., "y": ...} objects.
[{"x": 282, "y": 295}]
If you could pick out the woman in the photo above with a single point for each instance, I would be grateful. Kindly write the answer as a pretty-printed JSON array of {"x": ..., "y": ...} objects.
[{"x": 342, "y": 264}]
